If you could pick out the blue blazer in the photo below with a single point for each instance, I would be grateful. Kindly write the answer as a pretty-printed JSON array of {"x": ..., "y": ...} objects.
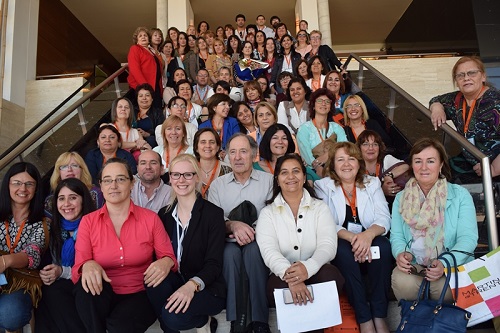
[
  {"x": 230, "y": 128},
  {"x": 94, "y": 160}
]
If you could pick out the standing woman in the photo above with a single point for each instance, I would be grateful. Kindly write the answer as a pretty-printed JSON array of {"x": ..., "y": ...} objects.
[
  {"x": 201, "y": 56},
  {"x": 270, "y": 55},
  {"x": 114, "y": 258},
  {"x": 202, "y": 27},
  {"x": 167, "y": 49},
  {"x": 233, "y": 48},
  {"x": 287, "y": 59},
  {"x": 23, "y": 237},
  {"x": 56, "y": 311},
  {"x": 219, "y": 32},
  {"x": 156, "y": 42},
  {"x": 187, "y": 299},
  {"x": 185, "y": 53},
  {"x": 147, "y": 115},
  {"x": 260, "y": 44},
  {"x": 303, "y": 47},
  {"x": 144, "y": 66},
  {"x": 173, "y": 35},
  {"x": 218, "y": 60},
  {"x": 363, "y": 220},
  {"x": 336, "y": 84},
  {"x": 316, "y": 72}
]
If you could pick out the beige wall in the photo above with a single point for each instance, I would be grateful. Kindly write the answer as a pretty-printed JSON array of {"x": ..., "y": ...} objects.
[{"x": 12, "y": 124}]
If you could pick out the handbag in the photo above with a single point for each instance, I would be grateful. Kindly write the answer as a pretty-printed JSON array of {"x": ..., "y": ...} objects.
[
  {"x": 429, "y": 316},
  {"x": 403, "y": 178},
  {"x": 325, "y": 146}
]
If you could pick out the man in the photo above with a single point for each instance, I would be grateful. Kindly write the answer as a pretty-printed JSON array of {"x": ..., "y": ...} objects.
[
  {"x": 240, "y": 31},
  {"x": 261, "y": 25},
  {"x": 201, "y": 89},
  {"x": 227, "y": 192},
  {"x": 149, "y": 191}
]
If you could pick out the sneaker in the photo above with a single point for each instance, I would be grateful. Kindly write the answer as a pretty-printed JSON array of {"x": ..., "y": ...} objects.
[{"x": 259, "y": 327}]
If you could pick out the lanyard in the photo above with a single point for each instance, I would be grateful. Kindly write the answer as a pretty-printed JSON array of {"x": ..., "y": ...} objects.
[
  {"x": 352, "y": 202},
  {"x": 126, "y": 135},
  {"x": 315, "y": 84},
  {"x": 288, "y": 60},
  {"x": 270, "y": 167},
  {"x": 319, "y": 132},
  {"x": 168, "y": 155},
  {"x": 180, "y": 236},
  {"x": 377, "y": 171},
  {"x": 471, "y": 111},
  {"x": 354, "y": 132},
  {"x": 202, "y": 98},
  {"x": 11, "y": 246},
  {"x": 104, "y": 159},
  {"x": 206, "y": 186},
  {"x": 221, "y": 134}
]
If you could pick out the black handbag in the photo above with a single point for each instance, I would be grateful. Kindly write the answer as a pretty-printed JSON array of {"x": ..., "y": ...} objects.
[{"x": 428, "y": 316}]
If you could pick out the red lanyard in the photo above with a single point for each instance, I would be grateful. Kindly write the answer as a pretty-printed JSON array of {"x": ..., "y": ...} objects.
[
  {"x": 352, "y": 202},
  {"x": 205, "y": 187},
  {"x": 126, "y": 135},
  {"x": 377, "y": 171},
  {"x": 270, "y": 167},
  {"x": 12, "y": 247},
  {"x": 354, "y": 132},
  {"x": 469, "y": 116},
  {"x": 104, "y": 159},
  {"x": 168, "y": 155}
]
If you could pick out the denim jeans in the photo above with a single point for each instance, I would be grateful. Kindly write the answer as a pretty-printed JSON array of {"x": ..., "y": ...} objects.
[{"x": 15, "y": 310}]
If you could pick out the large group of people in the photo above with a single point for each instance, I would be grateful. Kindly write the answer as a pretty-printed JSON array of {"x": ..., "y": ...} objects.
[{"x": 245, "y": 164}]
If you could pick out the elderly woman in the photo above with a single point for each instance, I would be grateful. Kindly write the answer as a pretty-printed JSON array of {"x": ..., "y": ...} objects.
[
  {"x": 72, "y": 165},
  {"x": 56, "y": 311},
  {"x": 144, "y": 66},
  {"x": 114, "y": 254},
  {"x": 363, "y": 220},
  {"x": 295, "y": 112},
  {"x": 147, "y": 116},
  {"x": 319, "y": 130},
  {"x": 23, "y": 237},
  {"x": 295, "y": 216},
  {"x": 428, "y": 217},
  {"x": 187, "y": 299},
  {"x": 177, "y": 106},
  {"x": 324, "y": 51},
  {"x": 316, "y": 71},
  {"x": 475, "y": 112},
  {"x": 108, "y": 146}
]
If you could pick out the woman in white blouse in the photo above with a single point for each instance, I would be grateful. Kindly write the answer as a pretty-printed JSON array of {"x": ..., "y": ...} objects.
[{"x": 296, "y": 234}]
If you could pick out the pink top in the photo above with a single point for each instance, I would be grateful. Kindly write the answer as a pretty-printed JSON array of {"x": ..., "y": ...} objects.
[{"x": 124, "y": 259}]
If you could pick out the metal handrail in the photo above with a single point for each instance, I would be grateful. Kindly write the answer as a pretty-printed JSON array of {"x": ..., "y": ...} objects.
[
  {"x": 485, "y": 161},
  {"x": 43, "y": 129}
]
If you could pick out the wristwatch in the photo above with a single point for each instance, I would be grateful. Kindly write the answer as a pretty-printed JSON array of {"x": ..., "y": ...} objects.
[{"x": 196, "y": 284}]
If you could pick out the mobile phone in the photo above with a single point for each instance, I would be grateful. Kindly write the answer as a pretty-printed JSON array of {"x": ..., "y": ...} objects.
[
  {"x": 375, "y": 250},
  {"x": 287, "y": 295}
]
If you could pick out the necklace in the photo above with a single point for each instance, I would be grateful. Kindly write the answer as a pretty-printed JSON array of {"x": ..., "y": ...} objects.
[{"x": 209, "y": 171}]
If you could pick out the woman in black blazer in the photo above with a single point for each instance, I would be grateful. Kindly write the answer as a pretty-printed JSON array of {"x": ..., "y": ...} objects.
[
  {"x": 287, "y": 56},
  {"x": 196, "y": 227}
]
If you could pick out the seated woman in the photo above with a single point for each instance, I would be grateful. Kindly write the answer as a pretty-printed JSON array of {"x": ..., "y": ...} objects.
[
  {"x": 174, "y": 140},
  {"x": 177, "y": 106},
  {"x": 193, "y": 111},
  {"x": 276, "y": 142},
  {"x": 235, "y": 93},
  {"x": 430, "y": 216},
  {"x": 187, "y": 299},
  {"x": 245, "y": 69},
  {"x": 295, "y": 111},
  {"x": 114, "y": 258},
  {"x": 242, "y": 112},
  {"x": 266, "y": 90},
  {"x": 264, "y": 116},
  {"x": 23, "y": 238},
  {"x": 72, "y": 165},
  {"x": 316, "y": 71},
  {"x": 295, "y": 216},
  {"x": 147, "y": 116},
  {"x": 206, "y": 150},
  {"x": 56, "y": 311},
  {"x": 317, "y": 133},
  {"x": 282, "y": 84},
  {"x": 252, "y": 93},
  {"x": 336, "y": 84},
  {"x": 301, "y": 70},
  {"x": 169, "y": 92},
  {"x": 363, "y": 220},
  {"x": 356, "y": 120},
  {"x": 324, "y": 51},
  {"x": 108, "y": 146}
]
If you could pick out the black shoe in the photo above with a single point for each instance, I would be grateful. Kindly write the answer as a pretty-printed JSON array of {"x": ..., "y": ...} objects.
[
  {"x": 213, "y": 325},
  {"x": 247, "y": 330},
  {"x": 259, "y": 327}
]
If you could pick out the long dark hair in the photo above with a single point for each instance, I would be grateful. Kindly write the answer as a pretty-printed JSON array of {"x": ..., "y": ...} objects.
[
  {"x": 88, "y": 206},
  {"x": 265, "y": 143},
  {"x": 277, "y": 170},
  {"x": 36, "y": 203}
]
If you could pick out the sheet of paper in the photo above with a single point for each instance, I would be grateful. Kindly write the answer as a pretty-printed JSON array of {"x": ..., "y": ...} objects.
[{"x": 323, "y": 312}]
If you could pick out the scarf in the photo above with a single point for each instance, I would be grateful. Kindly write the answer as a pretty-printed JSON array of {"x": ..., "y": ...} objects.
[
  {"x": 68, "y": 248},
  {"x": 425, "y": 216}
]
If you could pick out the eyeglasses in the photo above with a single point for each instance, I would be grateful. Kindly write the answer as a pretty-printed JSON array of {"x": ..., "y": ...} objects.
[
  {"x": 315, "y": 37},
  {"x": 350, "y": 106},
  {"x": 286, "y": 78},
  {"x": 69, "y": 166},
  {"x": 461, "y": 76},
  {"x": 18, "y": 184},
  {"x": 224, "y": 104},
  {"x": 186, "y": 175},
  {"x": 371, "y": 145},
  {"x": 179, "y": 106},
  {"x": 323, "y": 101},
  {"x": 120, "y": 180}
]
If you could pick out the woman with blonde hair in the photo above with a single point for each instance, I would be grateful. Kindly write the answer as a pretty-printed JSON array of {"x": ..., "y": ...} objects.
[
  {"x": 217, "y": 60},
  {"x": 175, "y": 142}
]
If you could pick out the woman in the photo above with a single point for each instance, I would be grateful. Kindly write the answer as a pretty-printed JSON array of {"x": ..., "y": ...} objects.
[
  {"x": 303, "y": 46},
  {"x": 316, "y": 72},
  {"x": 173, "y": 35},
  {"x": 186, "y": 55},
  {"x": 177, "y": 106},
  {"x": 335, "y": 83},
  {"x": 201, "y": 57},
  {"x": 218, "y": 60},
  {"x": 264, "y": 116},
  {"x": 56, "y": 311},
  {"x": 23, "y": 237},
  {"x": 356, "y": 120},
  {"x": 235, "y": 93},
  {"x": 324, "y": 51},
  {"x": 228, "y": 32},
  {"x": 144, "y": 65},
  {"x": 245, "y": 69},
  {"x": 430, "y": 216},
  {"x": 169, "y": 92},
  {"x": 233, "y": 48},
  {"x": 192, "y": 43},
  {"x": 209, "y": 36},
  {"x": 287, "y": 59},
  {"x": 295, "y": 112},
  {"x": 171, "y": 62},
  {"x": 187, "y": 299},
  {"x": 295, "y": 216},
  {"x": 276, "y": 142},
  {"x": 218, "y": 110},
  {"x": 282, "y": 85},
  {"x": 260, "y": 44},
  {"x": 363, "y": 220},
  {"x": 319, "y": 131},
  {"x": 206, "y": 150},
  {"x": 302, "y": 71},
  {"x": 147, "y": 115},
  {"x": 270, "y": 55},
  {"x": 252, "y": 93},
  {"x": 202, "y": 27},
  {"x": 122, "y": 117},
  {"x": 219, "y": 32},
  {"x": 479, "y": 125},
  {"x": 72, "y": 165},
  {"x": 114, "y": 258},
  {"x": 266, "y": 89},
  {"x": 243, "y": 113},
  {"x": 193, "y": 111},
  {"x": 108, "y": 146},
  {"x": 174, "y": 140},
  {"x": 281, "y": 30},
  {"x": 191, "y": 30}
]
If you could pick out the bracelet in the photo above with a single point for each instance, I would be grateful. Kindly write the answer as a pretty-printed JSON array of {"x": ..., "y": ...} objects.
[{"x": 389, "y": 174}]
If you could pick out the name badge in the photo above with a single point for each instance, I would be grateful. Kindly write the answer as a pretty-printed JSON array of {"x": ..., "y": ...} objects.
[
  {"x": 354, "y": 227},
  {"x": 471, "y": 140}
]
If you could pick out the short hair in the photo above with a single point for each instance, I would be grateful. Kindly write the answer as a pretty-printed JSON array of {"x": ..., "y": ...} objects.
[
  {"x": 240, "y": 16},
  {"x": 251, "y": 142},
  {"x": 309, "y": 65},
  {"x": 214, "y": 100},
  {"x": 299, "y": 80},
  {"x": 36, "y": 203},
  {"x": 114, "y": 114},
  {"x": 304, "y": 22},
  {"x": 156, "y": 155},
  {"x": 307, "y": 35},
  {"x": 209, "y": 33},
  {"x": 273, "y": 18},
  {"x": 196, "y": 140},
  {"x": 181, "y": 82},
  {"x": 252, "y": 84},
  {"x": 424, "y": 143},
  {"x": 260, "y": 15},
  {"x": 64, "y": 159},
  {"x": 316, "y": 32},
  {"x": 282, "y": 75},
  {"x": 365, "y": 137},
  {"x": 229, "y": 26},
  {"x": 167, "y": 41},
  {"x": 341, "y": 78},
  {"x": 352, "y": 150},
  {"x": 225, "y": 85},
  {"x": 118, "y": 160},
  {"x": 265, "y": 143},
  {"x": 359, "y": 100},
  {"x": 137, "y": 31},
  {"x": 172, "y": 119},
  {"x": 144, "y": 86},
  {"x": 300, "y": 62},
  {"x": 312, "y": 101},
  {"x": 267, "y": 105},
  {"x": 465, "y": 59},
  {"x": 199, "y": 26}
]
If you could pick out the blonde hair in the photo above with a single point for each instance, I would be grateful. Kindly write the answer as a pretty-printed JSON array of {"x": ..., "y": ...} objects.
[
  {"x": 172, "y": 119},
  {"x": 194, "y": 162},
  {"x": 352, "y": 150},
  {"x": 268, "y": 106},
  {"x": 358, "y": 99},
  {"x": 64, "y": 159}
]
